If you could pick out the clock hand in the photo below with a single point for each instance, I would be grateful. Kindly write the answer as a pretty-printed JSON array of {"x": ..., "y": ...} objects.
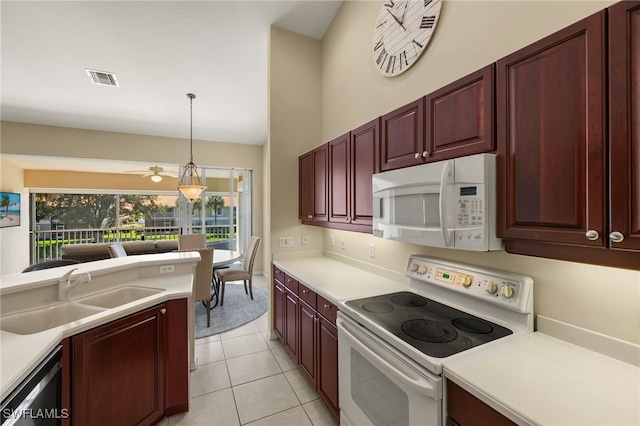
[
  {"x": 396, "y": 19},
  {"x": 404, "y": 12}
]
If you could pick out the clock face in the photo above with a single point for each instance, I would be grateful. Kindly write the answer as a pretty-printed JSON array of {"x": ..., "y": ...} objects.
[{"x": 403, "y": 30}]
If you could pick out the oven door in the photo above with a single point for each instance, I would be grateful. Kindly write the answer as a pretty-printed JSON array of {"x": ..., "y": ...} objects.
[{"x": 379, "y": 385}]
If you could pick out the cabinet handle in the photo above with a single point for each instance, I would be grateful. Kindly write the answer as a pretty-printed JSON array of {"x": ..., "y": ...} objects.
[
  {"x": 309, "y": 216},
  {"x": 305, "y": 291},
  {"x": 326, "y": 306},
  {"x": 425, "y": 154},
  {"x": 592, "y": 235},
  {"x": 163, "y": 311},
  {"x": 616, "y": 237},
  {"x": 417, "y": 156}
]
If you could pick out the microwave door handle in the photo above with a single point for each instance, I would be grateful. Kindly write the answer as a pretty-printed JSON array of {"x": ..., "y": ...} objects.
[{"x": 444, "y": 181}]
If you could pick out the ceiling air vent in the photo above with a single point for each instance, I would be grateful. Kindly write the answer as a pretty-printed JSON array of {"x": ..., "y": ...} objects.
[{"x": 102, "y": 78}]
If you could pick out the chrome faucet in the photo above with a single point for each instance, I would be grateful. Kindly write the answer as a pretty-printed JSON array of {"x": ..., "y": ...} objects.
[{"x": 65, "y": 285}]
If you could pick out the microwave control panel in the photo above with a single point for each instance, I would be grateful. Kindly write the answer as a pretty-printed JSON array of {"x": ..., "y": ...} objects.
[{"x": 470, "y": 206}]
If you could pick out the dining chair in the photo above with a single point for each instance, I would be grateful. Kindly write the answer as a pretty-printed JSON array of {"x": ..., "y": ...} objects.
[
  {"x": 116, "y": 250},
  {"x": 202, "y": 279},
  {"x": 245, "y": 274},
  {"x": 192, "y": 241}
]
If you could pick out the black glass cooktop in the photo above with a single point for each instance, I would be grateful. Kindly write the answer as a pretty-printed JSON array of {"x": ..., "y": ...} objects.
[{"x": 433, "y": 328}]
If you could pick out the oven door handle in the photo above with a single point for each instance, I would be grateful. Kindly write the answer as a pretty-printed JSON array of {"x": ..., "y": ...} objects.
[
  {"x": 420, "y": 384},
  {"x": 445, "y": 180}
]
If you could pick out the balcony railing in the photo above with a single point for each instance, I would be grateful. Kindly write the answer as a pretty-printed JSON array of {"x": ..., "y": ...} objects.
[{"x": 47, "y": 244}]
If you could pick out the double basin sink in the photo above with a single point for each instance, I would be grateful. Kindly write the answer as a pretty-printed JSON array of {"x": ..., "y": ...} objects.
[{"x": 41, "y": 319}]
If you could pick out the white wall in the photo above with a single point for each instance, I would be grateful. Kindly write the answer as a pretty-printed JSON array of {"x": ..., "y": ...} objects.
[
  {"x": 470, "y": 34},
  {"x": 14, "y": 241}
]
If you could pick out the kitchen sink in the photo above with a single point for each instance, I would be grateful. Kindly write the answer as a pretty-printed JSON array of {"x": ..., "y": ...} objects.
[
  {"x": 37, "y": 320},
  {"x": 119, "y": 296}
]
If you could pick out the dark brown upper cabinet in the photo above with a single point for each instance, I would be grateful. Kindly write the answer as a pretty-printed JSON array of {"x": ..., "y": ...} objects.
[
  {"x": 402, "y": 142},
  {"x": 353, "y": 160},
  {"x": 568, "y": 189},
  {"x": 624, "y": 125},
  {"x": 551, "y": 137},
  {"x": 312, "y": 181},
  {"x": 460, "y": 117}
]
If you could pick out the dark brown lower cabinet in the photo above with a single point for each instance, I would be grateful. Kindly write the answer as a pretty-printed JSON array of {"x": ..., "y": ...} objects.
[
  {"x": 311, "y": 330},
  {"x": 118, "y": 371},
  {"x": 464, "y": 409}
]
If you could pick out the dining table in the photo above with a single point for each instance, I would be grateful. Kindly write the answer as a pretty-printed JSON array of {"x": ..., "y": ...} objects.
[{"x": 221, "y": 259}]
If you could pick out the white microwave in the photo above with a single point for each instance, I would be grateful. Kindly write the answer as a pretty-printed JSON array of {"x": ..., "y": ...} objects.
[{"x": 448, "y": 203}]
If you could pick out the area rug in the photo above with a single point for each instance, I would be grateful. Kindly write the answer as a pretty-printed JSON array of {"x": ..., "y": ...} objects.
[{"x": 238, "y": 309}]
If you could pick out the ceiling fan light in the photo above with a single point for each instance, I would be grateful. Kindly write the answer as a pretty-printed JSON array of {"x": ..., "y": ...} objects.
[{"x": 156, "y": 178}]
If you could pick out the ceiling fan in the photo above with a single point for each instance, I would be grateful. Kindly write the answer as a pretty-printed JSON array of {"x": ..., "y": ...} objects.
[{"x": 156, "y": 173}]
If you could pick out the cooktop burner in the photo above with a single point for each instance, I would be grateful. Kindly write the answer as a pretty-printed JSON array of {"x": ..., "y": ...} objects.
[{"x": 433, "y": 328}]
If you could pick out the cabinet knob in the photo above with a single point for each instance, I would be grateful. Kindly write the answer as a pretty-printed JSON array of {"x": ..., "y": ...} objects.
[
  {"x": 417, "y": 156},
  {"x": 326, "y": 306},
  {"x": 425, "y": 154},
  {"x": 309, "y": 216},
  {"x": 616, "y": 237},
  {"x": 163, "y": 311},
  {"x": 592, "y": 235},
  {"x": 305, "y": 291}
]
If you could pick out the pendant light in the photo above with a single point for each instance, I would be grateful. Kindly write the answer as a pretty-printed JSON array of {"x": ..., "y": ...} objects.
[{"x": 190, "y": 184}]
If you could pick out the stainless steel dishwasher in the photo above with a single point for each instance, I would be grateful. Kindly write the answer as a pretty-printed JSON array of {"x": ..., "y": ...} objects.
[{"x": 37, "y": 400}]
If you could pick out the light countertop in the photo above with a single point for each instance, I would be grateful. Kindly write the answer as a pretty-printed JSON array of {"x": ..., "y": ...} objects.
[
  {"x": 19, "y": 354},
  {"x": 541, "y": 380}
]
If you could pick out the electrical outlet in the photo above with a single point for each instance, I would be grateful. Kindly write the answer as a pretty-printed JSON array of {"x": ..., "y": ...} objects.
[
  {"x": 331, "y": 241},
  {"x": 166, "y": 269},
  {"x": 286, "y": 242},
  {"x": 304, "y": 239},
  {"x": 343, "y": 243},
  {"x": 372, "y": 250}
]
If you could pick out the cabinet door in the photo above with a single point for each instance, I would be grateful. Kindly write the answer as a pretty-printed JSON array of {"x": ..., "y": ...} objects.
[
  {"x": 291, "y": 324},
  {"x": 328, "y": 365},
  {"x": 339, "y": 180},
  {"x": 320, "y": 183},
  {"x": 624, "y": 123},
  {"x": 402, "y": 139},
  {"x": 305, "y": 186},
  {"x": 278, "y": 309},
  {"x": 308, "y": 333},
  {"x": 465, "y": 409},
  {"x": 459, "y": 118},
  {"x": 177, "y": 362},
  {"x": 551, "y": 141},
  {"x": 364, "y": 162},
  {"x": 118, "y": 371}
]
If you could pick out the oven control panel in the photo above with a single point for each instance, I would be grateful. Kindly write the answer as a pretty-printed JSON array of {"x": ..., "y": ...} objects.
[{"x": 497, "y": 287}]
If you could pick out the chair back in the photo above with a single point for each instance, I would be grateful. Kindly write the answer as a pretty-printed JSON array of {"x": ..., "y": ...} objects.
[
  {"x": 116, "y": 250},
  {"x": 250, "y": 254},
  {"x": 192, "y": 241},
  {"x": 203, "y": 274}
]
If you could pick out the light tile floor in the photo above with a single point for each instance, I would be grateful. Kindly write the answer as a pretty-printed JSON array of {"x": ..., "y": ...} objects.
[{"x": 243, "y": 378}]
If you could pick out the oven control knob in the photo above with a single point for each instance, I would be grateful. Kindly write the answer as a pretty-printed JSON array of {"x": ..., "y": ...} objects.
[
  {"x": 491, "y": 287},
  {"x": 467, "y": 280},
  {"x": 506, "y": 292},
  {"x": 414, "y": 267},
  {"x": 422, "y": 270}
]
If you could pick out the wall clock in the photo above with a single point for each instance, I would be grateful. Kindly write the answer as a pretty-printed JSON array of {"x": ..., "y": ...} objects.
[{"x": 403, "y": 30}]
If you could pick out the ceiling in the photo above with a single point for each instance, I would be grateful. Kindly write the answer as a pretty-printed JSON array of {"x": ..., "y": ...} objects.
[{"x": 159, "y": 51}]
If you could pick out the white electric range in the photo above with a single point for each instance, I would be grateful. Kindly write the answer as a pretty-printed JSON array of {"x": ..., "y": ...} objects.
[{"x": 392, "y": 347}]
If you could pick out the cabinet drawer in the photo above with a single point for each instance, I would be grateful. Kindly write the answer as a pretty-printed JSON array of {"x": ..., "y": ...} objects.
[
  {"x": 278, "y": 274},
  {"x": 291, "y": 283},
  {"x": 327, "y": 309},
  {"x": 308, "y": 295}
]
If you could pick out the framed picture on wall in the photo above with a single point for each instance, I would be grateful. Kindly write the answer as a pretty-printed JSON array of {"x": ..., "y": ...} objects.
[{"x": 9, "y": 209}]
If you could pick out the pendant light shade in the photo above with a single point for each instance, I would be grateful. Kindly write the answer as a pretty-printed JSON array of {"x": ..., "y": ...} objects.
[{"x": 190, "y": 184}]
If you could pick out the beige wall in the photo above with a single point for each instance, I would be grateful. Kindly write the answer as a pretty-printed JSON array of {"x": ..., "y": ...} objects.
[
  {"x": 48, "y": 141},
  {"x": 470, "y": 34}
]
